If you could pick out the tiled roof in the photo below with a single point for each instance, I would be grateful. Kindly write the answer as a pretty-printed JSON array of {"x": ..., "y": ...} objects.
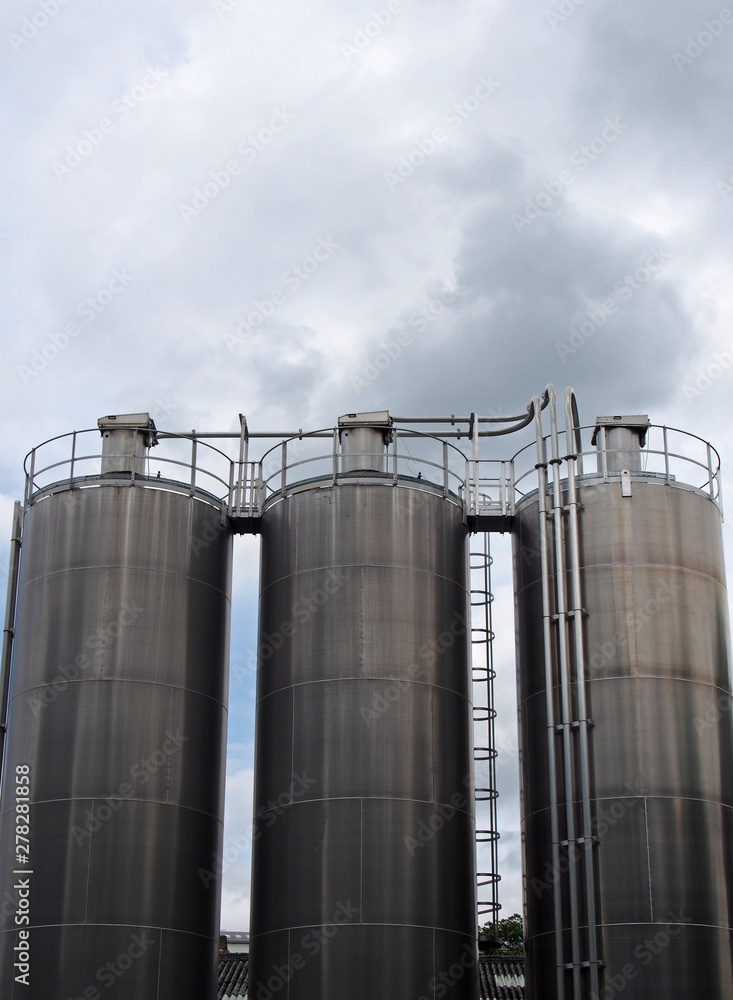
[
  {"x": 233, "y": 969},
  {"x": 499, "y": 978}
]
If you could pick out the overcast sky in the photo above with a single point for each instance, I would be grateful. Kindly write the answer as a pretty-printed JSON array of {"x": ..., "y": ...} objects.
[{"x": 219, "y": 207}]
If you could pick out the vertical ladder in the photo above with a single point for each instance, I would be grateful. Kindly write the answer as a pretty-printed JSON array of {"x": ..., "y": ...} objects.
[{"x": 484, "y": 714}]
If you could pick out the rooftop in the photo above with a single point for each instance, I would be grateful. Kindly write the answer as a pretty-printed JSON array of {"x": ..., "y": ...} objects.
[{"x": 500, "y": 977}]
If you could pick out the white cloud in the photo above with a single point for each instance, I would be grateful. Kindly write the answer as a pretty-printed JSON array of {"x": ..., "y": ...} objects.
[{"x": 223, "y": 73}]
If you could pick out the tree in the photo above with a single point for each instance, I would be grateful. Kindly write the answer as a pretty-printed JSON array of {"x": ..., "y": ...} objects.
[{"x": 506, "y": 939}]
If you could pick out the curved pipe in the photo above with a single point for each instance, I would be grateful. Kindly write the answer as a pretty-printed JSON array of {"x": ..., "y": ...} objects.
[
  {"x": 572, "y": 425},
  {"x": 541, "y": 466},
  {"x": 565, "y": 682}
]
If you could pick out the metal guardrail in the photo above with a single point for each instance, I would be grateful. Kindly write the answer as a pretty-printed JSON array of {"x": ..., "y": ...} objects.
[
  {"x": 412, "y": 457},
  {"x": 672, "y": 455},
  {"x": 70, "y": 461},
  {"x": 242, "y": 486},
  {"x": 189, "y": 463}
]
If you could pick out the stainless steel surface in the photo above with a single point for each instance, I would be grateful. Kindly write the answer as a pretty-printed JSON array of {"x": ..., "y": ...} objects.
[
  {"x": 551, "y": 713},
  {"x": 118, "y": 708},
  {"x": 126, "y": 440},
  {"x": 575, "y": 614},
  {"x": 363, "y": 852},
  {"x": 618, "y": 441},
  {"x": 655, "y": 647},
  {"x": 568, "y": 718},
  {"x": 363, "y": 438}
]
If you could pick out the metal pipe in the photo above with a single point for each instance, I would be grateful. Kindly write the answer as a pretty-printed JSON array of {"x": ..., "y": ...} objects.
[
  {"x": 9, "y": 629},
  {"x": 73, "y": 456},
  {"x": 549, "y": 695},
  {"x": 230, "y": 498},
  {"x": 242, "y": 463},
  {"x": 571, "y": 418},
  {"x": 604, "y": 444},
  {"x": 29, "y": 480},
  {"x": 565, "y": 700},
  {"x": 475, "y": 463}
]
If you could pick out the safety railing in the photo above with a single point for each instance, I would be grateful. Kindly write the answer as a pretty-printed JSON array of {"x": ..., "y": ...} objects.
[
  {"x": 181, "y": 463},
  {"x": 421, "y": 460},
  {"x": 243, "y": 485},
  {"x": 672, "y": 455}
]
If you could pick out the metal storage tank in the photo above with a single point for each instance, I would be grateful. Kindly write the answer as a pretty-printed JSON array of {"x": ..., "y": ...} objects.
[
  {"x": 363, "y": 848},
  {"x": 117, "y": 725},
  {"x": 627, "y": 779}
]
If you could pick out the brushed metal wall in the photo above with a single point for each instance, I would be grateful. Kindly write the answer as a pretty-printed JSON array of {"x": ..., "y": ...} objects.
[
  {"x": 118, "y": 709},
  {"x": 363, "y": 850},
  {"x": 658, "y": 685}
]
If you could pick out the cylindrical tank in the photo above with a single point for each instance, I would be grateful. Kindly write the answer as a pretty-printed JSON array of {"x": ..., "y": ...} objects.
[
  {"x": 363, "y": 848},
  {"x": 116, "y": 736},
  {"x": 661, "y": 746}
]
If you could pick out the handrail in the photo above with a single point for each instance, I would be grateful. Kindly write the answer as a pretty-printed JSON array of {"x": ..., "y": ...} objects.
[
  {"x": 485, "y": 486},
  {"x": 39, "y": 478},
  {"x": 709, "y": 461}
]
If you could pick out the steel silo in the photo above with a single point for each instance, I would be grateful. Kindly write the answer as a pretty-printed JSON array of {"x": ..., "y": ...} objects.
[
  {"x": 116, "y": 726},
  {"x": 363, "y": 846},
  {"x": 625, "y": 725}
]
